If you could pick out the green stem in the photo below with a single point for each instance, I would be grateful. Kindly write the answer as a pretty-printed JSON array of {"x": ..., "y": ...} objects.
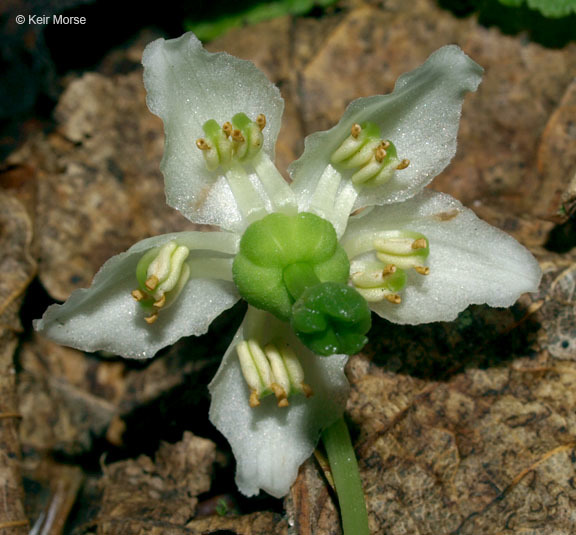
[
  {"x": 346, "y": 478},
  {"x": 298, "y": 278}
]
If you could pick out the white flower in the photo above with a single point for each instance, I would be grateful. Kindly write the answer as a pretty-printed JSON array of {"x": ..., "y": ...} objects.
[{"x": 415, "y": 256}]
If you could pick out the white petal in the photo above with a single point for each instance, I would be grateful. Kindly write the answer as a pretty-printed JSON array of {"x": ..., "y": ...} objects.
[
  {"x": 420, "y": 117},
  {"x": 471, "y": 262},
  {"x": 106, "y": 316},
  {"x": 186, "y": 87},
  {"x": 270, "y": 443}
]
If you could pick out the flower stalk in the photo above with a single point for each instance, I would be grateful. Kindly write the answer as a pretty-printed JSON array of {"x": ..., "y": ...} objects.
[{"x": 344, "y": 467}]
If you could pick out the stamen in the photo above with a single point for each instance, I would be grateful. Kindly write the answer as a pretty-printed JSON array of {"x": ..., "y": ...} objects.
[
  {"x": 388, "y": 269},
  {"x": 151, "y": 319},
  {"x": 373, "y": 159},
  {"x": 261, "y": 121},
  {"x": 420, "y": 243},
  {"x": 161, "y": 302},
  {"x": 280, "y": 394},
  {"x": 380, "y": 154},
  {"x": 138, "y": 295},
  {"x": 227, "y": 128},
  {"x": 375, "y": 286},
  {"x": 151, "y": 282},
  {"x": 237, "y": 136},
  {"x": 254, "y": 400},
  {"x": 271, "y": 371},
  {"x": 422, "y": 270},
  {"x": 162, "y": 274},
  {"x": 202, "y": 144}
]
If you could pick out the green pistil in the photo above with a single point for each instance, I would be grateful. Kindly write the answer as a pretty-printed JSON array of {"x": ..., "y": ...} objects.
[
  {"x": 293, "y": 267},
  {"x": 298, "y": 278}
]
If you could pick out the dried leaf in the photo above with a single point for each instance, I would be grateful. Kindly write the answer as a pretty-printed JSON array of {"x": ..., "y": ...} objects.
[
  {"x": 17, "y": 268},
  {"x": 144, "y": 494}
]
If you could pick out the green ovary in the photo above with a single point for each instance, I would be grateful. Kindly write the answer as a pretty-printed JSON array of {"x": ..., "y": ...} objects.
[{"x": 271, "y": 245}]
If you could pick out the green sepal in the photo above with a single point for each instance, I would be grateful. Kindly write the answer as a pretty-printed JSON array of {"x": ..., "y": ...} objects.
[{"x": 331, "y": 318}]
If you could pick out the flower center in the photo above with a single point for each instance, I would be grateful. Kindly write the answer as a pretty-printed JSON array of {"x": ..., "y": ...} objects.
[
  {"x": 373, "y": 159},
  {"x": 293, "y": 267}
]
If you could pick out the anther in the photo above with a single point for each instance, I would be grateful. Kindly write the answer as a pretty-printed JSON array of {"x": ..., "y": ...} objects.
[
  {"x": 388, "y": 269},
  {"x": 151, "y": 319},
  {"x": 151, "y": 282},
  {"x": 280, "y": 394},
  {"x": 227, "y": 128},
  {"x": 420, "y": 243},
  {"x": 422, "y": 270},
  {"x": 385, "y": 144},
  {"x": 306, "y": 390},
  {"x": 380, "y": 154},
  {"x": 202, "y": 144},
  {"x": 356, "y": 130},
  {"x": 237, "y": 136},
  {"x": 254, "y": 400},
  {"x": 261, "y": 121},
  {"x": 138, "y": 295},
  {"x": 161, "y": 302},
  {"x": 395, "y": 299},
  {"x": 403, "y": 164}
]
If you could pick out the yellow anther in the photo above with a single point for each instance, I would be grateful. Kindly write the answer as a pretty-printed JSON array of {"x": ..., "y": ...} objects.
[
  {"x": 420, "y": 243},
  {"x": 202, "y": 144},
  {"x": 161, "y": 302},
  {"x": 261, "y": 121},
  {"x": 380, "y": 154},
  {"x": 227, "y": 128},
  {"x": 254, "y": 400},
  {"x": 385, "y": 144},
  {"x": 422, "y": 270},
  {"x": 237, "y": 136},
  {"x": 138, "y": 295},
  {"x": 151, "y": 319},
  {"x": 395, "y": 299},
  {"x": 403, "y": 164},
  {"x": 388, "y": 269},
  {"x": 356, "y": 130},
  {"x": 280, "y": 394},
  {"x": 306, "y": 390},
  {"x": 151, "y": 282}
]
